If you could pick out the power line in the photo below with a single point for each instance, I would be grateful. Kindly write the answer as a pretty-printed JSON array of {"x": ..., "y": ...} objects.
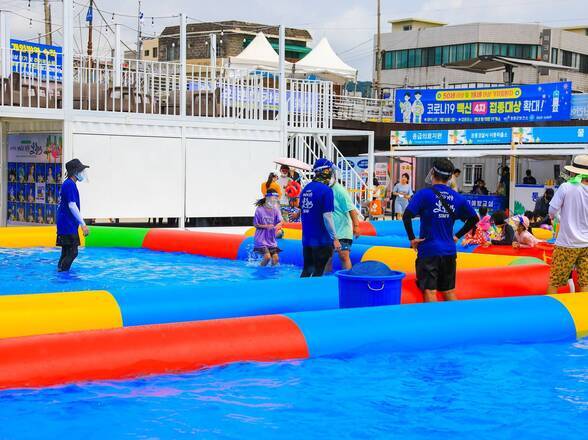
[{"x": 132, "y": 15}]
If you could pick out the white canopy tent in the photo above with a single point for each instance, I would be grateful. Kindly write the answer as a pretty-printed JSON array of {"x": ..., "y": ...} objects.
[
  {"x": 323, "y": 61},
  {"x": 259, "y": 54}
]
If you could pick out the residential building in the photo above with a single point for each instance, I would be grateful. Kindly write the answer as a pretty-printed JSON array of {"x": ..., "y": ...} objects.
[
  {"x": 231, "y": 38},
  {"x": 150, "y": 49},
  {"x": 415, "y": 51}
]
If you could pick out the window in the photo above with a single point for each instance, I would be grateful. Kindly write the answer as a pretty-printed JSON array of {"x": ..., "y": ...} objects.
[
  {"x": 566, "y": 58},
  {"x": 472, "y": 172},
  {"x": 407, "y": 27},
  {"x": 411, "y": 54},
  {"x": 155, "y": 52},
  {"x": 146, "y": 53},
  {"x": 438, "y": 52},
  {"x": 554, "y": 55}
]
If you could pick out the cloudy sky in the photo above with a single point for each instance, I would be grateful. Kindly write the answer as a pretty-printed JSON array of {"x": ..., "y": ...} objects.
[{"x": 349, "y": 25}]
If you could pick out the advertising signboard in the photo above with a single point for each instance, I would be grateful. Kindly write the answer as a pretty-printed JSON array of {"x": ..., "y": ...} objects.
[
  {"x": 38, "y": 60},
  {"x": 524, "y": 103}
]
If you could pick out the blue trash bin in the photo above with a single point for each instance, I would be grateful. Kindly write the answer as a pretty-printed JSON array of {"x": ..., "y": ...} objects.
[{"x": 369, "y": 284}]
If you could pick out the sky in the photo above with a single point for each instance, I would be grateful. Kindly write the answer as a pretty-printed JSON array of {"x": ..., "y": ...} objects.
[{"x": 349, "y": 25}]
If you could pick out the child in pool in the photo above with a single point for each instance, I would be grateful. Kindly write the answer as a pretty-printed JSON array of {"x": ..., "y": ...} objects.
[
  {"x": 292, "y": 211},
  {"x": 523, "y": 236},
  {"x": 267, "y": 222},
  {"x": 479, "y": 235},
  {"x": 506, "y": 234}
]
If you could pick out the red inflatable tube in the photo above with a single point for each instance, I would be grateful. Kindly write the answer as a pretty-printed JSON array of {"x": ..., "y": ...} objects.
[
  {"x": 365, "y": 228},
  {"x": 199, "y": 243},
  {"x": 543, "y": 251},
  {"x": 137, "y": 351},
  {"x": 485, "y": 283}
]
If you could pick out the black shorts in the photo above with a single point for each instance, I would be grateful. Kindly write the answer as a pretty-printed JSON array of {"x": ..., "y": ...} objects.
[
  {"x": 264, "y": 250},
  {"x": 436, "y": 273},
  {"x": 68, "y": 240}
]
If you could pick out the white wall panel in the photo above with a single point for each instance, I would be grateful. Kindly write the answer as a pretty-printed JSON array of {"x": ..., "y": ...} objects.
[
  {"x": 130, "y": 176},
  {"x": 223, "y": 177}
]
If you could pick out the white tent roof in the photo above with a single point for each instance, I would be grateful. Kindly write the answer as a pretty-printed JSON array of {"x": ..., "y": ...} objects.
[
  {"x": 259, "y": 54},
  {"x": 323, "y": 60}
]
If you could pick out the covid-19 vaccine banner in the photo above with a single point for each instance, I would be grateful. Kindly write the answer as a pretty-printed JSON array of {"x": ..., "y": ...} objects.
[{"x": 537, "y": 102}]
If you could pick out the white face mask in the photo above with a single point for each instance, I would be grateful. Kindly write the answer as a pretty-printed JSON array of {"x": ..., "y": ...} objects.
[{"x": 81, "y": 176}]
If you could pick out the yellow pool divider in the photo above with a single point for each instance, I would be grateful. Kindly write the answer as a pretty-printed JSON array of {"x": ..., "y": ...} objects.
[
  {"x": 403, "y": 259},
  {"x": 46, "y": 313},
  {"x": 577, "y": 306},
  {"x": 30, "y": 236},
  {"x": 289, "y": 234}
]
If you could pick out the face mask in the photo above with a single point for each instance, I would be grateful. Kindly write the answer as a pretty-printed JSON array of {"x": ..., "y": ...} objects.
[{"x": 81, "y": 176}]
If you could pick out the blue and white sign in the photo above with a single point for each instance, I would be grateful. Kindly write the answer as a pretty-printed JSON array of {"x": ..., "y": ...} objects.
[
  {"x": 493, "y": 203},
  {"x": 550, "y": 135},
  {"x": 580, "y": 106},
  {"x": 483, "y": 136},
  {"x": 37, "y": 60},
  {"x": 525, "y": 103}
]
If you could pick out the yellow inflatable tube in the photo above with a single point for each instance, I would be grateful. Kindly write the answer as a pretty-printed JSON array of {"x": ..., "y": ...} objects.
[
  {"x": 542, "y": 234},
  {"x": 30, "y": 236},
  {"x": 45, "y": 313},
  {"x": 289, "y": 234},
  {"x": 576, "y": 304},
  {"x": 403, "y": 259}
]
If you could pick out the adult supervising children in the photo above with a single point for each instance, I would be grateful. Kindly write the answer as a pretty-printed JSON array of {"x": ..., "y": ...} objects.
[
  {"x": 438, "y": 207},
  {"x": 570, "y": 202},
  {"x": 69, "y": 218},
  {"x": 346, "y": 223},
  {"x": 318, "y": 225}
]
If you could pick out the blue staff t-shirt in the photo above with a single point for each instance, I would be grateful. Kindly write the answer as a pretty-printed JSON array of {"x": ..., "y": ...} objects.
[
  {"x": 316, "y": 199},
  {"x": 436, "y": 222},
  {"x": 66, "y": 222}
]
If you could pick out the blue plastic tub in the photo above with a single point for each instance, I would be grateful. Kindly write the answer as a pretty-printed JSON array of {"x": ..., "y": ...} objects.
[{"x": 369, "y": 284}]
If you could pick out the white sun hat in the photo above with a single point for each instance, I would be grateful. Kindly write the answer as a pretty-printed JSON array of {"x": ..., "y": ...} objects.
[{"x": 579, "y": 165}]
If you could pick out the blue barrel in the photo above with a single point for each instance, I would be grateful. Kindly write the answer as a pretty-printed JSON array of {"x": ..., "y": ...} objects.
[{"x": 369, "y": 284}]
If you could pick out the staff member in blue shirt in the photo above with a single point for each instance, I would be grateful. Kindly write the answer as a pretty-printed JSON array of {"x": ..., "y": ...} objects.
[
  {"x": 69, "y": 217},
  {"x": 318, "y": 226},
  {"x": 438, "y": 207}
]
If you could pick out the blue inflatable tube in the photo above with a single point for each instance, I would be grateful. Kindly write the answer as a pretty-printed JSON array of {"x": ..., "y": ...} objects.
[
  {"x": 415, "y": 327},
  {"x": 396, "y": 227},
  {"x": 292, "y": 252},
  {"x": 160, "y": 305}
]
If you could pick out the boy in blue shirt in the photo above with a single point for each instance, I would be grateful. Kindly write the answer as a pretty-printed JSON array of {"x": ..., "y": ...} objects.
[
  {"x": 318, "y": 226},
  {"x": 438, "y": 207},
  {"x": 69, "y": 217}
]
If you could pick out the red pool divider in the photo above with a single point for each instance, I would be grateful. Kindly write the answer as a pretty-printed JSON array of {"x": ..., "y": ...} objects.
[
  {"x": 208, "y": 244},
  {"x": 155, "y": 349},
  {"x": 543, "y": 251},
  {"x": 365, "y": 228},
  {"x": 482, "y": 283}
]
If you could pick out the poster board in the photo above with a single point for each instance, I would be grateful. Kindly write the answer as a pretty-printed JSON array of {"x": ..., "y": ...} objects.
[{"x": 34, "y": 178}]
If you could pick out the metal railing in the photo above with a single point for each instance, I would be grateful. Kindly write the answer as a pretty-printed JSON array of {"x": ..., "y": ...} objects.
[
  {"x": 353, "y": 108},
  {"x": 309, "y": 148},
  {"x": 102, "y": 84},
  {"x": 29, "y": 80}
]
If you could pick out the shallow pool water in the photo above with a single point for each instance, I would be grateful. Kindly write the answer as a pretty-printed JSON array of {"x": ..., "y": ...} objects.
[
  {"x": 34, "y": 270},
  {"x": 486, "y": 392}
]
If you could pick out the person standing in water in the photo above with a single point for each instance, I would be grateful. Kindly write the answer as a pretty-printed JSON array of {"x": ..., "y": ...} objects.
[
  {"x": 267, "y": 222},
  {"x": 69, "y": 218}
]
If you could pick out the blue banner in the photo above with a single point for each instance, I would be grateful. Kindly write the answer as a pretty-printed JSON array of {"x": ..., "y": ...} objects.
[
  {"x": 550, "y": 135},
  {"x": 37, "y": 60},
  {"x": 580, "y": 106},
  {"x": 525, "y": 103},
  {"x": 493, "y": 203},
  {"x": 418, "y": 137}
]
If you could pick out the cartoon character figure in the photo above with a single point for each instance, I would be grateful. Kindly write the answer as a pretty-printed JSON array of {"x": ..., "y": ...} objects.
[
  {"x": 31, "y": 196},
  {"x": 406, "y": 108},
  {"x": 418, "y": 109},
  {"x": 21, "y": 214},
  {"x": 11, "y": 194},
  {"x": 50, "y": 198},
  {"x": 31, "y": 178},
  {"x": 50, "y": 178},
  {"x": 21, "y": 174},
  {"x": 40, "y": 218},
  {"x": 21, "y": 196},
  {"x": 12, "y": 175}
]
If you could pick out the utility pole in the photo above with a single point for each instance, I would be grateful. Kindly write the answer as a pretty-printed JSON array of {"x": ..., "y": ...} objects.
[
  {"x": 377, "y": 85},
  {"x": 48, "y": 35},
  {"x": 139, "y": 21},
  {"x": 90, "y": 16}
]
